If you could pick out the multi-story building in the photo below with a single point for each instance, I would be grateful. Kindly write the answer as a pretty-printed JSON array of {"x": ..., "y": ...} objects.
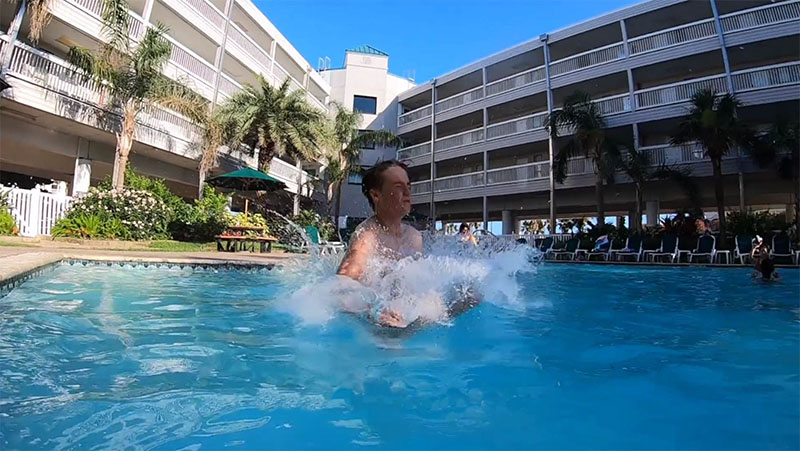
[
  {"x": 365, "y": 84},
  {"x": 478, "y": 149},
  {"x": 51, "y": 128}
]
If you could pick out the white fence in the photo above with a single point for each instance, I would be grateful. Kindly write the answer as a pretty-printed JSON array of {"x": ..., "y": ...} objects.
[{"x": 35, "y": 212}]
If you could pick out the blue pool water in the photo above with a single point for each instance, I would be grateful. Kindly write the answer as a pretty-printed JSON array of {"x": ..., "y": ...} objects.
[{"x": 593, "y": 357}]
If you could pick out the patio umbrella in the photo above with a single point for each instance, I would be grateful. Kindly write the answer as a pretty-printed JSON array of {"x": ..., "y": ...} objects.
[{"x": 247, "y": 179}]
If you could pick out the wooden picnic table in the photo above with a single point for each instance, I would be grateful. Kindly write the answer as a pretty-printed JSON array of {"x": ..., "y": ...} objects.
[
  {"x": 236, "y": 243},
  {"x": 242, "y": 230}
]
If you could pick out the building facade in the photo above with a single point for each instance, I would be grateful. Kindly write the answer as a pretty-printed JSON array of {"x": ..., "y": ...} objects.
[
  {"x": 365, "y": 84},
  {"x": 475, "y": 137},
  {"x": 51, "y": 120}
]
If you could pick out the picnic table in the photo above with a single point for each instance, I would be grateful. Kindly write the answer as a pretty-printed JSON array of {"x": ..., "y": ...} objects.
[{"x": 244, "y": 238}]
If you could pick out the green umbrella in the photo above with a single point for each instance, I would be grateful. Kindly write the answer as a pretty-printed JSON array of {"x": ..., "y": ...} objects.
[{"x": 247, "y": 179}]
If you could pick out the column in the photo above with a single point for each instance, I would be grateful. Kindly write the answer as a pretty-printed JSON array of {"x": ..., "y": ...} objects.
[
  {"x": 432, "y": 209},
  {"x": 508, "y": 222},
  {"x": 299, "y": 180},
  {"x": 485, "y": 213},
  {"x": 221, "y": 53},
  {"x": 148, "y": 9},
  {"x": 13, "y": 31},
  {"x": 550, "y": 142},
  {"x": 82, "y": 177},
  {"x": 652, "y": 209}
]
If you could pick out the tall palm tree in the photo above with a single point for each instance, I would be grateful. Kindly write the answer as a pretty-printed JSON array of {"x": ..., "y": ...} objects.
[
  {"x": 589, "y": 139},
  {"x": 779, "y": 147},
  {"x": 132, "y": 75},
  {"x": 273, "y": 121},
  {"x": 39, "y": 17},
  {"x": 211, "y": 140},
  {"x": 347, "y": 140},
  {"x": 712, "y": 121}
]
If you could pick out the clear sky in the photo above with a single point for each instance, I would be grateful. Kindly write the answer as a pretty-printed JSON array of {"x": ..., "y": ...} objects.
[{"x": 429, "y": 37}]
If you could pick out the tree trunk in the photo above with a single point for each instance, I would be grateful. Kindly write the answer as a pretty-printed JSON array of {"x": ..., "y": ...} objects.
[
  {"x": 265, "y": 155},
  {"x": 719, "y": 194},
  {"x": 124, "y": 144},
  {"x": 338, "y": 203},
  {"x": 598, "y": 192},
  {"x": 638, "y": 213},
  {"x": 201, "y": 179}
]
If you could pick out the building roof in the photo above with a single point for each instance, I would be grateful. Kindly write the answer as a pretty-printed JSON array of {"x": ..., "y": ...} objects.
[{"x": 367, "y": 49}]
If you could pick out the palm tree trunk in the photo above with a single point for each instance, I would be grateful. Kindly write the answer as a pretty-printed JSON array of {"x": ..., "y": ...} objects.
[
  {"x": 338, "y": 203},
  {"x": 598, "y": 192},
  {"x": 265, "y": 155},
  {"x": 201, "y": 179},
  {"x": 719, "y": 194},
  {"x": 638, "y": 214},
  {"x": 124, "y": 144}
]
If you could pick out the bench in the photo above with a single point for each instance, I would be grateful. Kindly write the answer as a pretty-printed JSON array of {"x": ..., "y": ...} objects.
[{"x": 231, "y": 243}]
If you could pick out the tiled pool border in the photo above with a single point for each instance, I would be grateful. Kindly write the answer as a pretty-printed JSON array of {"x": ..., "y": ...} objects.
[{"x": 8, "y": 285}]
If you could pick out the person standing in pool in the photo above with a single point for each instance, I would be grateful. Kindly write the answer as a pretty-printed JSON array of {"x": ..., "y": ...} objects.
[{"x": 383, "y": 236}]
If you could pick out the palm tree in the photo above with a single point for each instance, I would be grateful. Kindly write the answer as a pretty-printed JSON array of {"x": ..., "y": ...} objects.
[
  {"x": 584, "y": 118},
  {"x": 347, "y": 140},
  {"x": 779, "y": 147},
  {"x": 210, "y": 143},
  {"x": 273, "y": 121},
  {"x": 131, "y": 74},
  {"x": 39, "y": 17},
  {"x": 713, "y": 122}
]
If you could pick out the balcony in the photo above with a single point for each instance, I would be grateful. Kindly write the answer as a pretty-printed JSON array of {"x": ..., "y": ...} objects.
[
  {"x": 678, "y": 92},
  {"x": 414, "y": 115},
  {"x": 460, "y": 99},
  {"x": 516, "y": 81},
  {"x": 459, "y": 139},
  {"x": 588, "y": 59},
  {"x": 420, "y": 187},
  {"x": 516, "y": 126},
  {"x": 460, "y": 181},
  {"x": 418, "y": 150},
  {"x": 227, "y": 87},
  {"x": 207, "y": 11},
  {"x": 766, "y": 77},
  {"x": 672, "y": 36},
  {"x": 519, "y": 173},
  {"x": 257, "y": 56},
  {"x": 760, "y": 16}
]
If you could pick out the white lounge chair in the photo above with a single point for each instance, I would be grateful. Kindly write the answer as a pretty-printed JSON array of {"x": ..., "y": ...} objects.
[
  {"x": 743, "y": 249},
  {"x": 781, "y": 247},
  {"x": 669, "y": 248},
  {"x": 706, "y": 247},
  {"x": 569, "y": 251},
  {"x": 633, "y": 248}
]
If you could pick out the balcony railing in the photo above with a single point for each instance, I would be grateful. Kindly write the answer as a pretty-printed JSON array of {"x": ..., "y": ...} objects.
[
  {"x": 95, "y": 7},
  {"x": 414, "y": 115},
  {"x": 208, "y": 11},
  {"x": 228, "y": 86},
  {"x": 678, "y": 92},
  {"x": 672, "y": 36},
  {"x": 667, "y": 154},
  {"x": 587, "y": 59},
  {"x": 620, "y": 103},
  {"x": 421, "y": 187},
  {"x": 515, "y": 81},
  {"x": 765, "y": 77},
  {"x": 514, "y": 126},
  {"x": 188, "y": 60},
  {"x": 61, "y": 78},
  {"x": 457, "y": 100},
  {"x": 418, "y": 150},
  {"x": 460, "y": 139},
  {"x": 248, "y": 46},
  {"x": 289, "y": 173},
  {"x": 460, "y": 181},
  {"x": 520, "y": 173},
  {"x": 313, "y": 100},
  {"x": 760, "y": 16},
  {"x": 582, "y": 165}
]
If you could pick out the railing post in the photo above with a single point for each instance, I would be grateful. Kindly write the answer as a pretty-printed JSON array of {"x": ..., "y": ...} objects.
[
  {"x": 272, "y": 50},
  {"x": 432, "y": 210},
  {"x": 628, "y": 71},
  {"x": 13, "y": 32},
  {"x": 724, "y": 48},
  {"x": 34, "y": 214},
  {"x": 148, "y": 10},
  {"x": 485, "y": 213},
  {"x": 550, "y": 142}
]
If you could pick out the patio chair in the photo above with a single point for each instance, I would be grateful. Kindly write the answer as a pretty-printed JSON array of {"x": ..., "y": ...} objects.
[
  {"x": 547, "y": 245},
  {"x": 570, "y": 249},
  {"x": 616, "y": 247},
  {"x": 743, "y": 249},
  {"x": 669, "y": 248},
  {"x": 327, "y": 246},
  {"x": 781, "y": 247},
  {"x": 633, "y": 248},
  {"x": 706, "y": 247}
]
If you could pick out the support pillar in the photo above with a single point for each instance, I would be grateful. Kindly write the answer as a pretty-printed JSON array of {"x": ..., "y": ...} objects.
[
  {"x": 296, "y": 199},
  {"x": 508, "y": 222},
  {"x": 550, "y": 142},
  {"x": 790, "y": 213},
  {"x": 82, "y": 177},
  {"x": 13, "y": 32},
  {"x": 652, "y": 209},
  {"x": 485, "y": 213},
  {"x": 632, "y": 218}
]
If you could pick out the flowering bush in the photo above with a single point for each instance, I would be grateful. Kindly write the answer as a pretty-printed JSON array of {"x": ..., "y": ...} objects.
[
  {"x": 136, "y": 214},
  {"x": 205, "y": 219}
]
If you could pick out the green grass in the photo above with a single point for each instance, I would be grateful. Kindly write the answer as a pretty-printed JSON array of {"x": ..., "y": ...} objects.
[{"x": 181, "y": 246}]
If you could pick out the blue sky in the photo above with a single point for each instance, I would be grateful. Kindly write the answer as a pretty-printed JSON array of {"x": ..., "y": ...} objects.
[{"x": 430, "y": 37}]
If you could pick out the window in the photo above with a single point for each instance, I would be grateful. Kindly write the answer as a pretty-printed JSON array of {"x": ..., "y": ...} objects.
[
  {"x": 366, "y": 105},
  {"x": 354, "y": 179},
  {"x": 368, "y": 145}
]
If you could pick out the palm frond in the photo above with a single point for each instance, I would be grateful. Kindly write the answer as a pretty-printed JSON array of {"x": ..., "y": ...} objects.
[
  {"x": 117, "y": 24},
  {"x": 39, "y": 17},
  {"x": 178, "y": 97},
  {"x": 683, "y": 178},
  {"x": 561, "y": 160}
]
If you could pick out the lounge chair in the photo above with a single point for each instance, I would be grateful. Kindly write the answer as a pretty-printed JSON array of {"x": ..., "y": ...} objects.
[
  {"x": 633, "y": 248},
  {"x": 706, "y": 247},
  {"x": 570, "y": 249},
  {"x": 669, "y": 248},
  {"x": 781, "y": 247},
  {"x": 744, "y": 248},
  {"x": 327, "y": 246},
  {"x": 547, "y": 245},
  {"x": 616, "y": 247}
]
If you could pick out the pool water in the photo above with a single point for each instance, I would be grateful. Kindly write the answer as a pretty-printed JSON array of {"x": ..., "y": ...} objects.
[{"x": 596, "y": 357}]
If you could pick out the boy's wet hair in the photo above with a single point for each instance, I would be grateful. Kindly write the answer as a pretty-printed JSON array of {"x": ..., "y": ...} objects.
[
  {"x": 373, "y": 177},
  {"x": 463, "y": 226}
]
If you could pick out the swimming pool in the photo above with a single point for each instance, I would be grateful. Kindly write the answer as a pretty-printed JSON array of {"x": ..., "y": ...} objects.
[{"x": 597, "y": 357}]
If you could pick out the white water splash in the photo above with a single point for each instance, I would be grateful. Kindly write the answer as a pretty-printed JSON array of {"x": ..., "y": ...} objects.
[{"x": 427, "y": 288}]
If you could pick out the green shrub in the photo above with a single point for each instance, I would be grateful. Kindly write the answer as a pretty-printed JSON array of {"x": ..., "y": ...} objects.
[
  {"x": 205, "y": 219},
  {"x": 127, "y": 214},
  {"x": 8, "y": 226},
  {"x": 81, "y": 225},
  {"x": 327, "y": 231},
  {"x": 756, "y": 223}
]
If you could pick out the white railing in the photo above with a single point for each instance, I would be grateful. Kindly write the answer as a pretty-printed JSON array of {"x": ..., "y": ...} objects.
[
  {"x": 460, "y": 181},
  {"x": 248, "y": 46},
  {"x": 667, "y": 154},
  {"x": 587, "y": 59},
  {"x": 228, "y": 86},
  {"x": 289, "y": 174},
  {"x": 514, "y": 126},
  {"x": 418, "y": 150},
  {"x": 34, "y": 211},
  {"x": 520, "y": 173},
  {"x": 760, "y": 16},
  {"x": 58, "y": 76},
  {"x": 191, "y": 62},
  {"x": 421, "y": 187},
  {"x": 672, "y": 36},
  {"x": 515, "y": 81},
  {"x": 457, "y": 100},
  {"x": 95, "y": 7},
  {"x": 208, "y": 11},
  {"x": 678, "y": 92},
  {"x": 414, "y": 115},
  {"x": 315, "y": 101},
  {"x": 765, "y": 77},
  {"x": 581, "y": 165},
  {"x": 460, "y": 139},
  {"x": 614, "y": 104}
]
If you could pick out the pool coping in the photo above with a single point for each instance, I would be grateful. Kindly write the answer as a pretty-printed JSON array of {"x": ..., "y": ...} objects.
[{"x": 666, "y": 264}]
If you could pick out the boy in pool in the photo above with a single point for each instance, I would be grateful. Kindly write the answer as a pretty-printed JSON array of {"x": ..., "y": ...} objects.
[{"x": 384, "y": 235}]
